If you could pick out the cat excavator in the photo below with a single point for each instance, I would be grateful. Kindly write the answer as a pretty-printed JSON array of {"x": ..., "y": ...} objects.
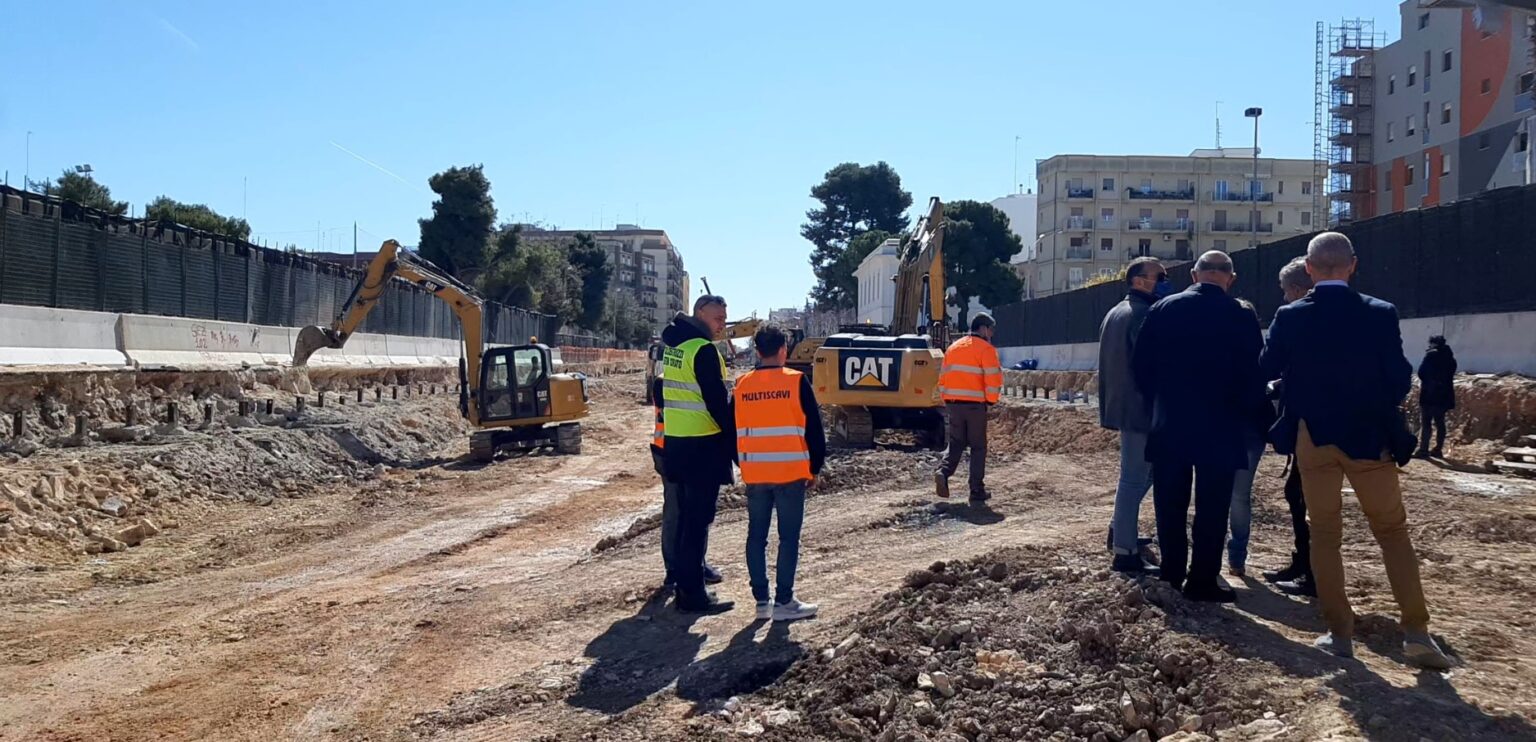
[
  {"x": 511, "y": 395},
  {"x": 872, "y": 377}
]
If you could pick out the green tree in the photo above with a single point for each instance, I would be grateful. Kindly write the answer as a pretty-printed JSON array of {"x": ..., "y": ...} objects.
[
  {"x": 977, "y": 246},
  {"x": 535, "y": 275},
  {"x": 83, "y": 190},
  {"x": 457, "y": 238},
  {"x": 196, "y": 216},
  {"x": 854, "y": 199},
  {"x": 630, "y": 324},
  {"x": 590, "y": 262}
]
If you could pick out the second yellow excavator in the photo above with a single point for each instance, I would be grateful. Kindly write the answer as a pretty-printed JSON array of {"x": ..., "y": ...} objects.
[{"x": 510, "y": 394}]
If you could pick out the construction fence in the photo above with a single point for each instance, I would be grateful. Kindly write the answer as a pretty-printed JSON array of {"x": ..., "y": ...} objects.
[
  {"x": 59, "y": 254},
  {"x": 1467, "y": 257}
]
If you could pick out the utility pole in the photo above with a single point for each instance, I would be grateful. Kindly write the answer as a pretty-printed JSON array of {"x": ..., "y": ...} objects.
[
  {"x": 245, "y": 197},
  {"x": 354, "y": 245},
  {"x": 26, "y": 178},
  {"x": 1016, "y": 184},
  {"x": 1253, "y": 188}
]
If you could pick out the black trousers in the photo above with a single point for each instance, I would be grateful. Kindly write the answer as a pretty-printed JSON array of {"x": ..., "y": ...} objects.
[
  {"x": 966, "y": 428},
  {"x": 1172, "y": 484},
  {"x": 695, "y": 512},
  {"x": 1432, "y": 416},
  {"x": 1298, "y": 506}
]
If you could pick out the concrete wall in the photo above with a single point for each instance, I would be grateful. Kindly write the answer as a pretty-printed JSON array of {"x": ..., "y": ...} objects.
[{"x": 1483, "y": 343}]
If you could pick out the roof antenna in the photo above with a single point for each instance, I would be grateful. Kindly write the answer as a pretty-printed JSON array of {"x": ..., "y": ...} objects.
[{"x": 1218, "y": 124}]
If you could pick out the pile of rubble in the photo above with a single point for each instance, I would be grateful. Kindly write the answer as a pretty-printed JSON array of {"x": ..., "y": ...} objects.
[{"x": 1016, "y": 645}]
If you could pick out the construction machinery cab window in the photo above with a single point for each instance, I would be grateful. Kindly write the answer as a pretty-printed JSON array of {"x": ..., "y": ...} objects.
[{"x": 516, "y": 384}]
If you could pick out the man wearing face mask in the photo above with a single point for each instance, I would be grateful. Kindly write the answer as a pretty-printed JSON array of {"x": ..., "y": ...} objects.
[{"x": 1122, "y": 407}]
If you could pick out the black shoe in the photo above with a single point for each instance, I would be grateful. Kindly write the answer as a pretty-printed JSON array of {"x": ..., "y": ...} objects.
[
  {"x": 978, "y": 498},
  {"x": 1211, "y": 593},
  {"x": 940, "y": 485},
  {"x": 706, "y": 607},
  {"x": 712, "y": 576},
  {"x": 1421, "y": 454},
  {"x": 1291, "y": 571},
  {"x": 1133, "y": 564},
  {"x": 1302, "y": 585},
  {"x": 1438, "y": 453},
  {"x": 1174, "y": 581}
]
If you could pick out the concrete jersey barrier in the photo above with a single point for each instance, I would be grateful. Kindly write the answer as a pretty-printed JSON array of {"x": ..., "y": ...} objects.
[
  {"x": 175, "y": 342},
  {"x": 40, "y": 336}
]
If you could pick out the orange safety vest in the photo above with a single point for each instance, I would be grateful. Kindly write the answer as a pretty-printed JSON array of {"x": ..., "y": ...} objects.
[
  {"x": 972, "y": 372},
  {"x": 770, "y": 427},
  {"x": 659, "y": 438}
]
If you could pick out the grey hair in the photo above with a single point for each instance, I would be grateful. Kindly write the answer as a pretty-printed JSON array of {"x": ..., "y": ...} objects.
[
  {"x": 1293, "y": 275},
  {"x": 1330, "y": 253},
  {"x": 1215, "y": 260}
]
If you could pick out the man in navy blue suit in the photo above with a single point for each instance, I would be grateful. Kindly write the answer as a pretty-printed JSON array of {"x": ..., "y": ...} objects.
[
  {"x": 1340, "y": 355},
  {"x": 1197, "y": 361}
]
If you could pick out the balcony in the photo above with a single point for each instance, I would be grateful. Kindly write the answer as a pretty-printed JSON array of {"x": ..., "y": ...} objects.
[
  {"x": 1159, "y": 225},
  {"x": 1079, "y": 253},
  {"x": 1240, "y": 227},
  {"x": 1152, "y": 194},
  {"x": 1078, "y": 222},
  {"x": 648, "y": 303},
  {"x": 1240, "y": 196},
  {"x": 1082, "y": 192}
]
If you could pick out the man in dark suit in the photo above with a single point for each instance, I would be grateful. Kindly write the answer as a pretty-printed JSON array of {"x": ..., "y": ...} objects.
[
  {"x": 1197, "y": 361},
  {"x": 1340, "y": 356}
]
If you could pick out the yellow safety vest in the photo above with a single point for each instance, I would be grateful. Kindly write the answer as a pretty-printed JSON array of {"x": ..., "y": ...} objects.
[{"x": 683, "y": 411}]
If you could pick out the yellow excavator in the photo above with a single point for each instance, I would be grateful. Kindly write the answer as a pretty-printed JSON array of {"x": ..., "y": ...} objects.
[
  {"x": 511, "y": 395},
  {"x": 871, "y": 377}
]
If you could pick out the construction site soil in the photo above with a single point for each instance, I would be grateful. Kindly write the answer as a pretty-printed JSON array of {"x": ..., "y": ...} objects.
[{"x": 343, "y": 573}]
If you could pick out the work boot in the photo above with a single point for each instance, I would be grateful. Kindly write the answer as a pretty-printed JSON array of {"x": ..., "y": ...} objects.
[
  {"x": 1438, "y": 452},
  {"x": 794, "y": 610},
  {"x": 1291, "y": 572},
  {"x": 712, "y": 576},
  {"x": 1422, "y": 453},
  {"x": 1336, "y": 646},
  {"x": 1210, "y": 593},
  {"x": 1424, "y": 652},
  {"x": 940, "y": 485},
  {"x": 978, "y": 498},
  {"x": 1302, "y": 585},
  {"x": 1133, "y": 564},
  {"x": 709, "y": 606}
]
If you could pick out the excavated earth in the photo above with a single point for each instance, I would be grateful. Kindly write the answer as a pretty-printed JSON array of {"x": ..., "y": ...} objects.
[{"x": 343, "y": 573}]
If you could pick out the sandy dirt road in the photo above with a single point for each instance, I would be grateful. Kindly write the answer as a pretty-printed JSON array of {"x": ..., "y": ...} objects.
[{"x": 455, "y": 602}]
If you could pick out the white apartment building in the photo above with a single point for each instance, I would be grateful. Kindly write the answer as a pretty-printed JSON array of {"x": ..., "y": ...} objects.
[
  {"x": 1097, "y": 212},
  {"x": 1022, "y": 210},
  {"x": 876, "y": 283}
]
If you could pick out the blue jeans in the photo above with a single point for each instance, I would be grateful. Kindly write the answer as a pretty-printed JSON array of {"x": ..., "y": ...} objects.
[
  {"x": 670, "y": 492},
  {"x": 1242, "y": 505},
  {"x": 762, "y": 501},
  {"x": 1135, "y": 482}
]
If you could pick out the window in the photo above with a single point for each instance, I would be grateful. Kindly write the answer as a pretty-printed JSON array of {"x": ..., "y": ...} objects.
[
  {"x": 1527, "y": 81},
  {"x": 1423, "y": 21},
  {"x": 1445, "y": 61},
  {"x": 1143, "y": 248},
  {"x": 1391, "y": 84},
  {"x": 1181, "y": 249},
  {"x": 1280, "y": 188},
  {"x": 1109, "y": 184},
  {"x": 1306, "y": 218},
  {"x": 1280, "y": 217},
  {"x": 1106, "y": 243},
  {"x": 1445, "y": 114},
  {"x": 1412, "y": 128},
  {"x": 1389, "y": 181},
  {"x": 1428, "y": 167},
  {"x": 1408, "y": 176},
  {"x": 1487, "y": 86},
  {"x": 1074, "y": 277},
  {"x": 1184, "y": 185},
  {"x": 1445, "y": 164},
  {"x": 1413, "y": 74},
  {"x": 1182, "y": 215},
  {"x": 1146, "y": 214},
  {"x": 1221, "y": 190},
  {"x": 1483, "y": 141},
  {"x": 1306, "y": 187},
  {"x": 1523, "y": 142},
  {"x": 1391, "y": 132},
  {"x": 1075, "y": 242},
  {"x": 1220, "y": 245},
  {"x": 1077, "y": 212}
]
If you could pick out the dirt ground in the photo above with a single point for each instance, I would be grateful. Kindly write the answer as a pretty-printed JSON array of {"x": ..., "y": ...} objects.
[{"x": 400, "y": 594}]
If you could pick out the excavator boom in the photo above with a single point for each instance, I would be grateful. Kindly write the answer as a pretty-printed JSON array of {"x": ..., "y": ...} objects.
[{"x": 920, "y": 279}]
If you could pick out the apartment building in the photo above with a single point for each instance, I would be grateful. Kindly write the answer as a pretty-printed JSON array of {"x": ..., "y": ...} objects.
[
  {"x": 1023, "y": 209},
  {"x": 1097, "y": 212},
  {"x": 1443, "y": 113},
  {"x": 876, "y": 276},
  {"x": 648, "y": 270}
]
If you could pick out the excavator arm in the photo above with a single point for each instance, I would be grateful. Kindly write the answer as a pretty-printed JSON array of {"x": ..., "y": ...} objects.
[
  {"x": 920, "y": 279},
  {"x": 390, "y": 263}
]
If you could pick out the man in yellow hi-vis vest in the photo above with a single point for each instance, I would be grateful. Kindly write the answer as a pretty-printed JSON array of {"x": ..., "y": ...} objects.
[{"x": 699, "y": 441}]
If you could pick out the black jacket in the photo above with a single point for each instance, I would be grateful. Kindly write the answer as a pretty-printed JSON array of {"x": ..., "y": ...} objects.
[
  {"x": 1197, "y": 362},
  {"x": 1437, "y": 378},
  {"x": 1340, "y": 354},
  {"x": 701, "y": 460},
  {"x": 1121, "y": 406}
]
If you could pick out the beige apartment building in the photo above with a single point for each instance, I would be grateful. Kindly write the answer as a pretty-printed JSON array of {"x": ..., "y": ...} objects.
[{"x": 1097, "y": 212}]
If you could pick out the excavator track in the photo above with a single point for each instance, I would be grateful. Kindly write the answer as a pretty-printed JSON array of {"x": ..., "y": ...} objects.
[
  {"x": 482, "y": 446},
  {"x": 852, "y": 427}
]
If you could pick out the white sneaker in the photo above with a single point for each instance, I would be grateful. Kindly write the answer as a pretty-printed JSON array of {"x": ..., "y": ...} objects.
[
  {"x": 764, "y": 610},
  {"x": 794, "y": 610}
]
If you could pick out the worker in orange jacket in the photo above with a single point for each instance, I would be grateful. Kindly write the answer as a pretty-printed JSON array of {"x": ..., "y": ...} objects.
[{"x": 970, "y": 383}]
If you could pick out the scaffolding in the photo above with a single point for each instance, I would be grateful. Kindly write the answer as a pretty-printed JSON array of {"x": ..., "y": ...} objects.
[{"x": 1346, "y": 87}]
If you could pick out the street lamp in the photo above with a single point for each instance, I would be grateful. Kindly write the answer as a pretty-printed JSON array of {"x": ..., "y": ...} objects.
[{"x": 1253, "y": 186}]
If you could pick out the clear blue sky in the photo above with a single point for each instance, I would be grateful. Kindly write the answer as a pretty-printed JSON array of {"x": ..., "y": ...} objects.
[{"x": 709, "y": 120}]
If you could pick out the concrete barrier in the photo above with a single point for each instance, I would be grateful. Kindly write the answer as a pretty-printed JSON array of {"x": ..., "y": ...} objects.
[
  {"x": 175, "y": 342},
  {"x": 39, "y": 336}
]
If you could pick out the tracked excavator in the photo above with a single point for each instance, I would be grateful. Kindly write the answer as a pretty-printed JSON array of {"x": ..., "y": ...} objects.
[
  {"x": 872, "y": 377},
  {"x": 511, "y": 395}
]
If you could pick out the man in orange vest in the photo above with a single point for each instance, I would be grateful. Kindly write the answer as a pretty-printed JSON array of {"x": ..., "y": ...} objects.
[
  {"x": 970, "y": 383},
  {"x": 780, "y": 447}
]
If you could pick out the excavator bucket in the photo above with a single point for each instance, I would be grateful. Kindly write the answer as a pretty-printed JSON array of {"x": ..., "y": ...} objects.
[{"x": 311, "y": 339}]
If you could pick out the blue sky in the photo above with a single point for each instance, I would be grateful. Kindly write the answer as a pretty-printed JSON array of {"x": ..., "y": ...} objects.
[{"x": 709, "y": 120}]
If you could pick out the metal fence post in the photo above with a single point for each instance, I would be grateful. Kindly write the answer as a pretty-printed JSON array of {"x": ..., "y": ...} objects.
[{"x": 58, "y": 248}]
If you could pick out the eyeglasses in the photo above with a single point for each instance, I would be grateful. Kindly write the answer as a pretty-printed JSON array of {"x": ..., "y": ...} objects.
[{"x": 1158, "y": 277}]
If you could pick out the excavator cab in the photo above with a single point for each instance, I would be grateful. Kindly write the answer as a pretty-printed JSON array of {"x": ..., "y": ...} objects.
[{"x": 523, "y": 403}]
